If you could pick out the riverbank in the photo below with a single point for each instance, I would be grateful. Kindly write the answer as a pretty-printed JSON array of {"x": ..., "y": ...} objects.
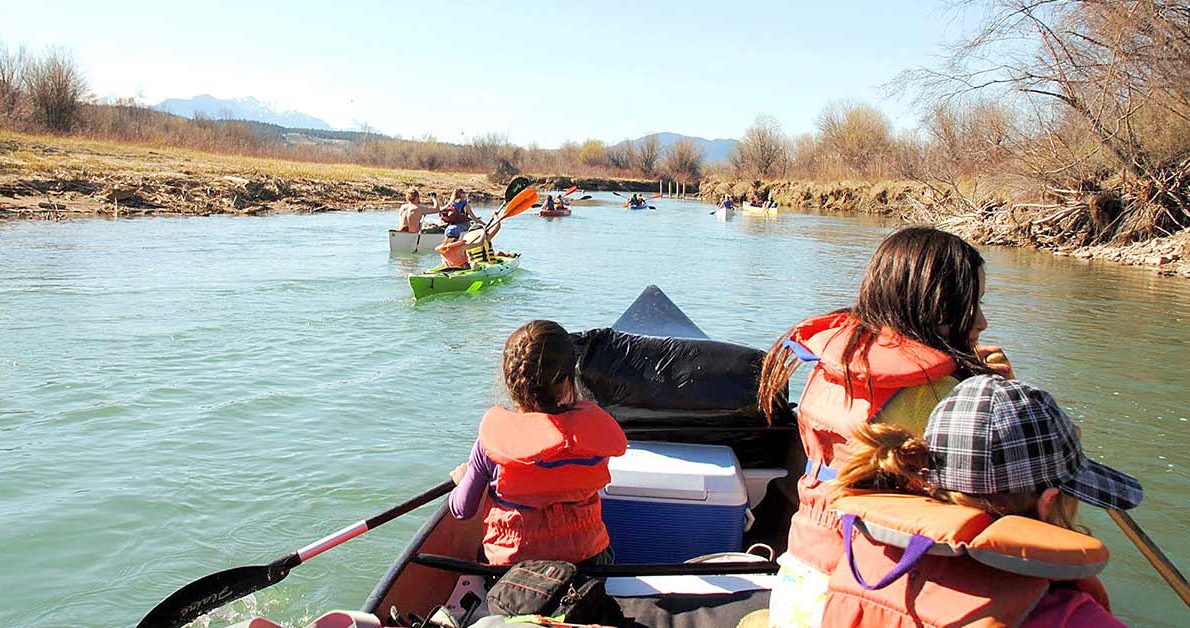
[
  {"x": 600, "y": 184},
  {"x": 996, "y": 222},
  {"x": 54, "y": 178}
]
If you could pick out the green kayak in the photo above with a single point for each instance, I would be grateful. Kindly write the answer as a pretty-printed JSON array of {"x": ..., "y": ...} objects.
[{"x": 442, "y": 281}]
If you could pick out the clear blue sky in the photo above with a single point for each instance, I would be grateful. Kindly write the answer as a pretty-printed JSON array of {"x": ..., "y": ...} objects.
[{"x": 539, "y": 72}]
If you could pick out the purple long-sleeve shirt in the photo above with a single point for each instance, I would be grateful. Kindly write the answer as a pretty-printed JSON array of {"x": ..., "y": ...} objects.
[{"x": 468, "y": 495}]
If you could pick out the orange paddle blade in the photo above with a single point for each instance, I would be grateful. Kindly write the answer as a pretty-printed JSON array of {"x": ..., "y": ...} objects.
[
  {"x": 520, "y": 203},
  {"x": 657, "y": 195},
  {"x": 570, "y": 190}
]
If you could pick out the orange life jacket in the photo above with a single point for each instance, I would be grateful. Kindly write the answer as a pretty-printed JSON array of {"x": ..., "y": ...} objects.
[
  {"x": 828, "y": 416},
  {"x": 545, "y": 502},
  {"x": 959, "y": 565}
]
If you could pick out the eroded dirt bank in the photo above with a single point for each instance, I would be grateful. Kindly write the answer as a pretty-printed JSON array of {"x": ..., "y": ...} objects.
[
  {"x": 56, "y": 178},
  {"x": 996, "y": 223}
]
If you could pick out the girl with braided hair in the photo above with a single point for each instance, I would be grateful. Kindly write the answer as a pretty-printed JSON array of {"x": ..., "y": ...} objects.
[{"x": 542, "y": 463}]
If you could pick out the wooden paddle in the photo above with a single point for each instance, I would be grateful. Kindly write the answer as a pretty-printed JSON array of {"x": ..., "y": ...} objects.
[
  {"x": 1156, "y": 557},
  {"x": 210, "y": 592}
]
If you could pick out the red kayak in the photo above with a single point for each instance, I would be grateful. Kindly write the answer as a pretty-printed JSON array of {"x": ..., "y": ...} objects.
[{"x": 553, "y": 213}]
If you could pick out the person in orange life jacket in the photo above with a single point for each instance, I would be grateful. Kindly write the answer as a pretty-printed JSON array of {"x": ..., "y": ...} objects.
[
  {"x": 411, "y": 213},
  {"x": 542, "y": 463},
  {"x": 908, "y": 340},
  {"x": 998, "y": 476},
  {"x": 457, "y": 214}
]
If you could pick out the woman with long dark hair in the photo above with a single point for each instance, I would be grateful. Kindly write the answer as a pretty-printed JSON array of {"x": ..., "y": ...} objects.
[{"x": 908, "y": 340}]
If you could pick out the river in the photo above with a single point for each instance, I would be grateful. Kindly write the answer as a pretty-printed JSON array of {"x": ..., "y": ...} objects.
[{"x": 184, "y": 395}]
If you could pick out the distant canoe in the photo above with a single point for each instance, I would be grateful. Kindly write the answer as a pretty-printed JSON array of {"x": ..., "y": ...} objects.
[{"x": 406, "y": 243}]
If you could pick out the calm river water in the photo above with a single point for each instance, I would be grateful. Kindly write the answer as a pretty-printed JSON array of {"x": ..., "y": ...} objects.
[{"x": 181, "y": 396}]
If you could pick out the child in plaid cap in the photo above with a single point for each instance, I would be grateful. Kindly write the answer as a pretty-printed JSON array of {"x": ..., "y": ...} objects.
[{"x": 989, "y": 498}]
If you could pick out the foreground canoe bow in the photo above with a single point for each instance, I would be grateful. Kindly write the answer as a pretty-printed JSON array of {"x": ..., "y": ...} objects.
[{"x": 438, "y": 567}]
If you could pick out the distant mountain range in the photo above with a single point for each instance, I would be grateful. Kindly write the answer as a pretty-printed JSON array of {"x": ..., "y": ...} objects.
[
  {"x": 239, "y": 109},
  {"x": 295, "y": 127},
  {"x": 715, "y": 151}
]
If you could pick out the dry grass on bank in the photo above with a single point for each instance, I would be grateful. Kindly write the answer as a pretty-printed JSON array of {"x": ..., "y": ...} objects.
[
  {"x": 22, "y": 153},
  {"x": 50, "y": 177}
]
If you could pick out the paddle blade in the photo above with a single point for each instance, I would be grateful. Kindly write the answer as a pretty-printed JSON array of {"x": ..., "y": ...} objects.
[
  {"x": 516, "y": 186},
  {"x": 210, "y": 592},
  {"x": 570, "y": 190},
  {"x": 520, "y": 203},
  {"x": 657, "y": 195}
]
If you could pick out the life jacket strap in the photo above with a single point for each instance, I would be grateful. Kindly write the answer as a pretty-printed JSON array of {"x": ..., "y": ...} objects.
[
  {"x": 820, "y": 472},
  {"x": 500, "y": 501},
  {"x": 918, "y": 545},
  {"x": 800, "y": 350}
]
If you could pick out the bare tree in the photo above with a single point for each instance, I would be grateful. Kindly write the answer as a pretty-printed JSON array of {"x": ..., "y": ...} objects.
[
  {"x": 621, "y": 156},
  {"x": 488, "y": 149},
  {"x": 1114, "y": 72},
  {"x": 56, "y": 90},
  {"x": 648, "y": 153},
  {"x": 12, "y": 70},
  {"x": 764, "y": 150},
  {"x": 683, "y": 160},
  {"x": 857, "y": 136}
]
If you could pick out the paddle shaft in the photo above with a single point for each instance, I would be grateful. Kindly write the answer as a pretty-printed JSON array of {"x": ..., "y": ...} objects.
[
  {"x": 359, "y": 527},
  {"x": 212, "y": 591},
  {"x": 1156, "y": 557}
]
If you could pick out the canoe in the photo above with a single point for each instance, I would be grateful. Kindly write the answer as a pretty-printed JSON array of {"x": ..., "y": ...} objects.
[
  {"x": 441, "y": 280},
  {"x": 438, "y": 570},
  {"x": 406, "y": 243},
  {"x": 760, "y": 211},
  {"x": 724, "y": 213},
  {"x": 553, "y": 213}
]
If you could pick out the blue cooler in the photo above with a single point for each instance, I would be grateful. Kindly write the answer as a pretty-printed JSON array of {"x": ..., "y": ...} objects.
[{"x": 669, "y": 502}]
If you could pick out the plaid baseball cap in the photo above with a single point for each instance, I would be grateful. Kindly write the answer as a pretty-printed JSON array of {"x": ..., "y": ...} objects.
[{"x": 994, "y": 435}]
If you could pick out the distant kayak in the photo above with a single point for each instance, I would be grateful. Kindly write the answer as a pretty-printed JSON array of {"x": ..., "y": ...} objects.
[
  {"x": 638, "y": 207},
  {"x": 441, "y": 280},
  {"x": 553, "y": 213},
  {"x": 583, "y": 200}
]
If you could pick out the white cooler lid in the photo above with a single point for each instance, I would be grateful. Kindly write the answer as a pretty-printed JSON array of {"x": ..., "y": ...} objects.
[{"x": 658, "y": 471}]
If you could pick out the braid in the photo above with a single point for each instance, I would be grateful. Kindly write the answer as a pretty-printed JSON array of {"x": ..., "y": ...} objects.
[{"x": 538, "y": 358}]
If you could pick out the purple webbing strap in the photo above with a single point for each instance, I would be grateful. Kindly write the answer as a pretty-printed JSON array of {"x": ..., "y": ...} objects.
[
  {"x": 800, "y": 350},
  {"x": 918, "y": 546}
]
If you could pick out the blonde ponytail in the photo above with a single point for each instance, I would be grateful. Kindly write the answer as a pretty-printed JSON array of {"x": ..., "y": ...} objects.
[{"x": 886, "y": 458}]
